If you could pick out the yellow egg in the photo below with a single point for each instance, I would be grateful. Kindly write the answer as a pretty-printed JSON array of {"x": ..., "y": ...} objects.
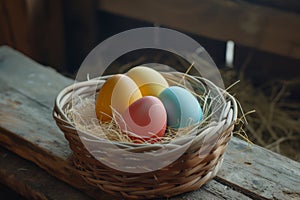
[
  {"x": 118, "y": 92},
  {"x": 150, "y": 81}
]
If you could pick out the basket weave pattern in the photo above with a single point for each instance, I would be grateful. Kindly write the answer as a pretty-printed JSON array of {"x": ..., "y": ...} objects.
[{"x": 189, "y": 172}]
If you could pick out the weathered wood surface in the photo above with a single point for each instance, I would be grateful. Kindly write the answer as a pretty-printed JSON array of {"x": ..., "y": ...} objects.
[
  {"x": 27, "y": 128},
  {"x": 245, "y": 23},
  {"x": 32, "y": 182}
]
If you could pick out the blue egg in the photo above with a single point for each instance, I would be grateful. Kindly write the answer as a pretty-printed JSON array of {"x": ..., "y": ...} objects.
[{"x": 182, "y": 107}]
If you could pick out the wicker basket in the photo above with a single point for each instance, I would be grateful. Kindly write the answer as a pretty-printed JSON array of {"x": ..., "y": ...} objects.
[{"x": 189, "y": 172}]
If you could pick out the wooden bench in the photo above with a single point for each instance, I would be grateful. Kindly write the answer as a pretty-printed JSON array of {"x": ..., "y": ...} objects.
[{"x": 35, "y": 156}]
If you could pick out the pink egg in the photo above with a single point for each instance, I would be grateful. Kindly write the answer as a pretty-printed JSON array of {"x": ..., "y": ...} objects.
[{"x": 144, "y": 119}]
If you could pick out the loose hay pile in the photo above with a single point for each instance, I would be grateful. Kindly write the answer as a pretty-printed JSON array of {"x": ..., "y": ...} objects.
[{"x": 276, "y": 122}]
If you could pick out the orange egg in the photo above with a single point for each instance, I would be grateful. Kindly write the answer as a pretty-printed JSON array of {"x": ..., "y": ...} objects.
[{"x": 118, "y": 92}]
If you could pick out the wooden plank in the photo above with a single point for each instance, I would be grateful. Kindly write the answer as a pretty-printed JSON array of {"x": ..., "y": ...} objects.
[
  {"x": 32, "y": 182},
  {"x": 287, "y": 5},
  {"x": 248, "y": 24},
  {"x": 35, "y": 28},
  {"x": 260, "y": 171},
  {"x": 80, "y": 25},
  {"x": 26, "y": 129},
  {"x": 212, "y": 190},
  {"x": 15, "y": 14},
  {"x": 32, "y": 75},
  {"x": 46, "y": 36},
  {"x": 5, "y": 30}
]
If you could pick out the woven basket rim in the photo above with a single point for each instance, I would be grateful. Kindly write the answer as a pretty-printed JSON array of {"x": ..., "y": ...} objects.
[{"x": 58, "y": 108}]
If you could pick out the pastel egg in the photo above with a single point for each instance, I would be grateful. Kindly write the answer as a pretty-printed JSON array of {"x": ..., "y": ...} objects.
[
  {"x": 145, "y": 119},
  {"x": 118, "y": 92},
  {"x": 150, "y": 81},
  {"x": 182, "y": 107}
]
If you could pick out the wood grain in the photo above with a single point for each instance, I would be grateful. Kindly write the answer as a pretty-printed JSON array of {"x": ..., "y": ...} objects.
[
  {"x": 35, "y": 28},
  {"x": 46, "y": 31},
  {"x": 5, "y": 31},
  {"x": 263, "y": 173},
  {"x": 287, "y": 5},
  {"x": 31, "y": 181},
  {"x": 15, "y": 25},
  {"x": 27, "y": 128},
  {"x": 247, "y": 24},
  {"x": 80, "y": 25}
]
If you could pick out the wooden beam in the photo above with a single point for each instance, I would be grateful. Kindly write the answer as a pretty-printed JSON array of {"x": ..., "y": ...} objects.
[
  {"x": 35, "y": 28},
  {"x": 286, "y": 5},
  {"x": 80, "y": 25},
  {"x": 27, "y": 128},
  {"x": 5, "y": 30},
  {"x": 46, "y": 31},
  {"x": 247, "y": 24},
  {"x": 14, "y": 26}
]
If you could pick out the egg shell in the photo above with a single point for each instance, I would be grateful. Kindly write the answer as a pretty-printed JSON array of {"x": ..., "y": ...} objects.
[
  {"x": 150, "y": 81},
  {"x": 182, "y": 107},
  {"x": 118, "y": 92},
  {"x": 145, "y": 119}
]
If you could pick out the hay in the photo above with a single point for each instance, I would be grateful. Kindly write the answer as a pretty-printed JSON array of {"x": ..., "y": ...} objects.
[
  {"x": 82, "y": 114},
  {"x": 275, "y": 124}
]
